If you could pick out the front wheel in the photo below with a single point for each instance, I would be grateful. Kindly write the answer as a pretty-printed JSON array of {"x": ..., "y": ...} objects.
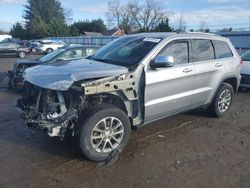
[
  {"x": 222, "y": 101},
  {"x": 21, "y": 54},
  {"x": 106, "y": 129}
]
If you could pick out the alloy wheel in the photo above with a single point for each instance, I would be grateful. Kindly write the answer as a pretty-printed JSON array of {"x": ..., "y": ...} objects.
[
  {"x": 107, "y": 135},
  {"x": 224, "y": 101}
]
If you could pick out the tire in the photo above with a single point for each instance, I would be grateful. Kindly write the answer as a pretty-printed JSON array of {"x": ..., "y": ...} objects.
[
  {"x": 21, "y": 54},
  {"x": 33, "y": 50},
  {"x": 95, "y": 149},
  {"x": 49, "y": 50},
  {"x": 219, "y": 108}
]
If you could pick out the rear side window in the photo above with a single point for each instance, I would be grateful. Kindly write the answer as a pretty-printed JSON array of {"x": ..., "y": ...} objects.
[
  {"x": 179, "y": 51},
  {"x": 202, "y": 50},
  {"x": 222, "y": 49}
]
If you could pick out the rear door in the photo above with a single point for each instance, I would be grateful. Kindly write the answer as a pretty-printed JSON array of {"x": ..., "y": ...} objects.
[{"x": 210, "y": 67}]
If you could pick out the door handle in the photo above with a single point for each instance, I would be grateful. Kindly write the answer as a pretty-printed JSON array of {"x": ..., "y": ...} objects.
[
  {"x": 218, "y": 64},
  {"x": 187, "y": 70}
]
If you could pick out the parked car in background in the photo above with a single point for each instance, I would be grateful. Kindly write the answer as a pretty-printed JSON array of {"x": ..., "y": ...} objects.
[
  {"x": 13, "y": 49},
  {"x": 3, "y": 37},
  {"x": 62, "y": 54},
  {"x": 245, "y": 71},
  {"x": 14, "y": 40},
  {"x": 130, "y": 82},
  {"x": 47, "y": 46},
  {"x": 33, "y": 44}
]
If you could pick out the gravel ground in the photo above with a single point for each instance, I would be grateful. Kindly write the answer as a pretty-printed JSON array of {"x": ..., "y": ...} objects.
[{"x": 187, "y": 150}]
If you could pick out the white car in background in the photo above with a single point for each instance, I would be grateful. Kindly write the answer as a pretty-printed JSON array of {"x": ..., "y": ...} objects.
[
  {"x": 245, "y": 71},
  {"x": 2, "y": 37},
  {"x": 47, "y": 46}
]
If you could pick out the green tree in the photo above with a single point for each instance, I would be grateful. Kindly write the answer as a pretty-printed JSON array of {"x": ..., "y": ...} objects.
[
  {"x": 44, "y": 18},
  {"x": 18, "y": 31},
  {"x": 163, "y": 26},
  {"x": 96, "y": 25}
]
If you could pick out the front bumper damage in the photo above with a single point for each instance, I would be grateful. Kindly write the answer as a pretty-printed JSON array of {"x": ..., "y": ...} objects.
[
  {"x": 58, "y": 111},
  {"x": 48, "y": 110}
]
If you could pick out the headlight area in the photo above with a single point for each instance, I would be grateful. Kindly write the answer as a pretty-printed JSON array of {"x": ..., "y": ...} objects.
[
  {"x": 50, "y": 110},
  {"x": 20, "y": 69}
]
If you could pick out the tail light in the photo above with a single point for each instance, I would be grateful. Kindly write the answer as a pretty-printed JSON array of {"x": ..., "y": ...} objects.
[{"x": 241, "y": 62}]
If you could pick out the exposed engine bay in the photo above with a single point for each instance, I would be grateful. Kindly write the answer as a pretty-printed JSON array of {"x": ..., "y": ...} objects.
[{"x": 58, "y": 112}]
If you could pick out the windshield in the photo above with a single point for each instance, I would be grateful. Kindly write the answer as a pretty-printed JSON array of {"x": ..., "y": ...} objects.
[
  {"x": 246, "y": 56},
  {"x": 51, "y": 55},
  {"x": 126, "y": 51}
]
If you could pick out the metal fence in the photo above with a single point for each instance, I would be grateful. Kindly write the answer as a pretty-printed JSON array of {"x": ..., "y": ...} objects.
[
  {"x": 240, "y": 40},
  {"x": 85, "y": 40}
]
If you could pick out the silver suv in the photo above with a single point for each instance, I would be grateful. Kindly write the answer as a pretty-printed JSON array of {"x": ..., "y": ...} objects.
[{"x": 132, "y": 81}]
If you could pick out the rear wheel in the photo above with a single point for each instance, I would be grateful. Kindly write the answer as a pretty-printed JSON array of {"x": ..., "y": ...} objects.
[
  {"x": 49, "y": 50},
  {"x": 222, "y": 101},
  {"x": 21, "y": 54},
  {"x": 106, "y": 129}
]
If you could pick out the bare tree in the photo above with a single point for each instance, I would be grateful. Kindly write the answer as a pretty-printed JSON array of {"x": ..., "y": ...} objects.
[
  {"x": 136, "y": 15},
  {"x": 149, "y": 14},
  {"x": 182, "y": 24},
  {"x": 202, "y": 26},
  {"x": 119, "y": 15},
  {"x": 68, "y": 16}
]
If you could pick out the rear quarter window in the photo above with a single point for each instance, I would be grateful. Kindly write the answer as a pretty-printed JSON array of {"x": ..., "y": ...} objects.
[{"x": 222, "y": 49}]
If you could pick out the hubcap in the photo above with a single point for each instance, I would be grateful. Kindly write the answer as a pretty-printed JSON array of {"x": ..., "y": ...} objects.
[
  {"x": 107, "y": 135},
  {"x": 224, "y": 100},
  {"x": 21, "y": 54}
]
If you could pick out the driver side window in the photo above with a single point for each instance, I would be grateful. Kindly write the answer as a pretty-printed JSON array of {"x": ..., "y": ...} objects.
[{"x": 179, "y": 51}]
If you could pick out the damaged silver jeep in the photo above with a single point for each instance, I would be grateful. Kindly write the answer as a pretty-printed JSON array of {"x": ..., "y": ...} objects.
[{"x": 132, "y": 81}]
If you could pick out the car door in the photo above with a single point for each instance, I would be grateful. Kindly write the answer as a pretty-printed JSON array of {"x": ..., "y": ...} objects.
[
  {"x": 2, "y": 48},
  {"x": 245, "y": 66},
  {"x": 169, "y": 90},
  {"x": 12, "y": 48},
  {"x": 209, "y": 70}
]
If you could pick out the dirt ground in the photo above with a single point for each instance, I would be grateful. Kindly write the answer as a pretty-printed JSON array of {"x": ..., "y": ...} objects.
[{"x": 188, "y": 150}]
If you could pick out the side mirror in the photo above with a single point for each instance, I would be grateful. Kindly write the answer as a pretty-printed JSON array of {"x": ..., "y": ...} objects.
[{"x": 162, "y": 61}]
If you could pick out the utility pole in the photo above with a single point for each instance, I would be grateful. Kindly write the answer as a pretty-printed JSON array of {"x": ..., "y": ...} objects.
[{"x": 181, "y": 22}]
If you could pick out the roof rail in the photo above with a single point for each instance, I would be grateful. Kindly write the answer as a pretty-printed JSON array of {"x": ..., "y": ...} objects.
[
  {"x": 180, "y": 31},
  {"x": 201, "y": 33}
]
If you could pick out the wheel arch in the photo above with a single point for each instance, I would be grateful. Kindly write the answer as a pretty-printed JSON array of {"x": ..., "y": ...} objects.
[
  {"x": 232, "y": 81},
  {"x": 228, "y": 80},
  {"x": 119, "y": 100}
]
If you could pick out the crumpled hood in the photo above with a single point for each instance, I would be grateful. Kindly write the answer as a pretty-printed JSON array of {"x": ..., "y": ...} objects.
[
  {"x": 245, "y": 67},
  {"x": 61, "y": 75}
]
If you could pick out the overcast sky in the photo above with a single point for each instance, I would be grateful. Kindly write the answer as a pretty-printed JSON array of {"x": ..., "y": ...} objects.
[{"x": 215, "y": 13}]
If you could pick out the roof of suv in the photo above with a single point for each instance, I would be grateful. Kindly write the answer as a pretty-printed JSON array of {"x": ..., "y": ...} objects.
[{"x": 164, "y": 35}]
